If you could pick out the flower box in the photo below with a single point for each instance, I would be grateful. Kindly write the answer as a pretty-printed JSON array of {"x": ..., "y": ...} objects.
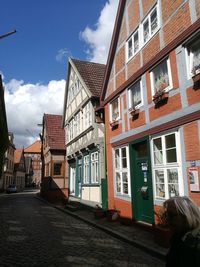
[
  {"x": 114, "y": 123},
  {"x": 160, "y": 96},
  {"x": 134, "y": 111},
  {"x": 196, "y": 77}
]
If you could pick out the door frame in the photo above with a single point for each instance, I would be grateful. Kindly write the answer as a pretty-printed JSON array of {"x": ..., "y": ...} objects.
[{"x": 132, "y": 157}]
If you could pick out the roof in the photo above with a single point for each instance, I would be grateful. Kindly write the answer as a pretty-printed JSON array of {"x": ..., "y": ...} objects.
[
  {"x": 34, "y": 148},
  {"x": 92, "y": 74},
  {"x": 55, "y": 132},
  {"x": 17, "y": 155}
]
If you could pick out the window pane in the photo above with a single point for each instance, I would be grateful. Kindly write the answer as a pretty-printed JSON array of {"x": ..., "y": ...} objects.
[
  {"x": 195, "y": 52},
  {"x": 117, "y": 159},
  {"x": 154, "y": 21},
  {"x": 157, "y": 144},
  {"x": 115, "y": 109},
  {"x": 130, "y": 48},
  {"x": 161, "y": 77},
  {"x": 160, "y": 186},
  {"x": 118, "y": 182},
  {"x": 172, "y": 176},
  {"x": 136, "y": 42},
  {"x": 146, "y": 31},
  {"x": 57, "y": 168},
  {"x": 123, "y": 152},
  {"x": 170, "y": 141},
  {"x": 125, "y": 182},
  {"x": 135, "y": 94},
  {"x": 171, "y": 155}
]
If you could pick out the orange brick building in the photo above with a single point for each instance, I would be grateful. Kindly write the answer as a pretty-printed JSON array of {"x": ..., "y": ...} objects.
[{"x": 151, "y": 98}]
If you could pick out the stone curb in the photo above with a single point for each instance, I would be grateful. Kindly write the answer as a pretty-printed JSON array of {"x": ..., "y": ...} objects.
[{"x": 153, "y": 252}]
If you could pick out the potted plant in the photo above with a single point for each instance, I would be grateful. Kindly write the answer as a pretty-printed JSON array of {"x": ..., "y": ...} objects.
[
  {"x": 196, "y": 73},
  {"x": 114, "y": 123},
  {"x": 134, "y": 111},
  {"x": 162, "y": 233},
  {"x": 160, "y": 95},
  {"x": 112, "y": 215}
]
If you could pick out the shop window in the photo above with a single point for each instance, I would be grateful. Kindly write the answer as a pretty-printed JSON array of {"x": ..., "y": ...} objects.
[{"x": 94, "y": 168}]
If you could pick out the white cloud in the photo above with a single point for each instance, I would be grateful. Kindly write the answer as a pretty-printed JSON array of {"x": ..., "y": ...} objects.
[
  {"x": 62, "y": 54},
  {"x": 26, "y": 104},
  {"x": 99, "y": 38}
]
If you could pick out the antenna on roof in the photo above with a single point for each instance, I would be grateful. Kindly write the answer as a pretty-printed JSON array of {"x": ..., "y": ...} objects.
[{"x": 7, "y": 34}]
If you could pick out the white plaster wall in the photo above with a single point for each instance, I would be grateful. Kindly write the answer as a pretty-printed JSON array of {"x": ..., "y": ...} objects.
[{"x": 91, "y": 194}]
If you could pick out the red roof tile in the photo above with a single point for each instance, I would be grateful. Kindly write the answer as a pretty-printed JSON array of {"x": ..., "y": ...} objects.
[
  {"x": 33, "y": 148},
  {"x": 55, "y": 132},
  {"x": 92, "y": 74}
]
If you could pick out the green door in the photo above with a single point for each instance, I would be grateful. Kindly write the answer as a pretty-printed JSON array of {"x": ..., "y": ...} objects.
[{"x": 141, "y": 181}]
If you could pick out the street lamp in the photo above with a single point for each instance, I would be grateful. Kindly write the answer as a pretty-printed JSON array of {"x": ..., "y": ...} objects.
[{"x": 7, "y": 34}]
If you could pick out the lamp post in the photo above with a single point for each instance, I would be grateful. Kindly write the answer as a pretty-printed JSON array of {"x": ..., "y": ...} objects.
[{"x": 7, "y": 34}]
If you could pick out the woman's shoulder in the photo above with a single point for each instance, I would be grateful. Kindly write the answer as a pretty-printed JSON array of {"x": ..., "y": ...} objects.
[{"x": 192, "y": 238}]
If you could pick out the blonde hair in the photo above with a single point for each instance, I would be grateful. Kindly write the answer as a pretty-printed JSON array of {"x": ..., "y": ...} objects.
[{"x": 185, "y": 206}]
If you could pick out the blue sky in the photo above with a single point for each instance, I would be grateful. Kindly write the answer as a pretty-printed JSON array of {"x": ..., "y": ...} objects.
[
  {"x": 33, "y": 61},
  {"x": 43, "y": 28}
]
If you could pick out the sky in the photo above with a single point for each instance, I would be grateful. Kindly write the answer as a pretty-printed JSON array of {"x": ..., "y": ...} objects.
[{"x": 33, "y": 61}]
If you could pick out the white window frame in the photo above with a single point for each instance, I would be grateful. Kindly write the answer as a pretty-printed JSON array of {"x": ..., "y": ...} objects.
[
  {"x": 169, "y": 76},
  {"x": 87, "y": 115},
  {"x": 189, "y": 55},
  {"x": 94, "y": 167},
  {"x": 131, "y": 38},
  {"x": 164, "y": 166},
  {"x": 148, "y": 18},
  {"x": 130, "y": 92},
  {"x": 121, "y": 170},
  {"x": 86, "y": 165},
  {"x": 140, "y": 31},
  {"x": 111, "y": 110}
]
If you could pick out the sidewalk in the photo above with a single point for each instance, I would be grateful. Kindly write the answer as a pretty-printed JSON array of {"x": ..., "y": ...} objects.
[{"x": 135, "y": 235}]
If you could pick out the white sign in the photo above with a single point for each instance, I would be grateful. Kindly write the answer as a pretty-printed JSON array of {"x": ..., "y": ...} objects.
[{"x": 194, "y": 179}]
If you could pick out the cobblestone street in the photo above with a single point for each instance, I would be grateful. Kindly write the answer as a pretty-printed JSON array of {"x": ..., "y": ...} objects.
[{"x": 36, "y": 234}]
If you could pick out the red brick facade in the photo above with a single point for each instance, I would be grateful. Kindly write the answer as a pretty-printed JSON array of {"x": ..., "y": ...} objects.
[{"x": 182, "y": 100}]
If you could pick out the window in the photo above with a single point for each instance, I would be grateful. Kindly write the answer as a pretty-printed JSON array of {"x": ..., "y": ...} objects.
[
  {"x": 86, "y": 170},
  {"x": 133, "y": 44},
  {"x": 122, "y": 180},
  {"x": 88, "y": 115},
  {"x": 94, "y": 168},
  {"x": 115, "y": 110},
  {"x": 166, "y": 166},
  {"x": 193, "y": 56},
  {"x": 161, "y": 77},
  {"x": 135, "y": 94},
  {"x": 57, "y": 168},
  {"x": 144, "y": 33},
  {"x": 150, "y": 25}
]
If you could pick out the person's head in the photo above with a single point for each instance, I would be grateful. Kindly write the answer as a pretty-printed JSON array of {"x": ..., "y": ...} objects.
[{"x": 182, "y": 214}]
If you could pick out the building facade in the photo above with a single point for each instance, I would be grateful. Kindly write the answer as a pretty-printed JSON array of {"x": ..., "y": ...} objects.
[
  {"x": 84, "y": 136},
  {"x": 4, "y": 141},
  {"x": 54, "y": 172},
  {"x": 8, "y": 168},
  {"x": 151, "y": 97},
  {"x": 34, "y": 152},
  {"x": 19, "y": 169}
]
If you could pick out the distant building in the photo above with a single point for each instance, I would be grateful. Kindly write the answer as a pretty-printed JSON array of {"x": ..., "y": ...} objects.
[
  {"x": 8, "y": 169},
  {"x": 54, "y": 171},
  {"x": 34, "y": 152},
  {"x": 19, "y": 169}
]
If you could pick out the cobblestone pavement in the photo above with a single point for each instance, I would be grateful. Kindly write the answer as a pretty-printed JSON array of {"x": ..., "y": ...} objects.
[{"x": 32, "y": 233}]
